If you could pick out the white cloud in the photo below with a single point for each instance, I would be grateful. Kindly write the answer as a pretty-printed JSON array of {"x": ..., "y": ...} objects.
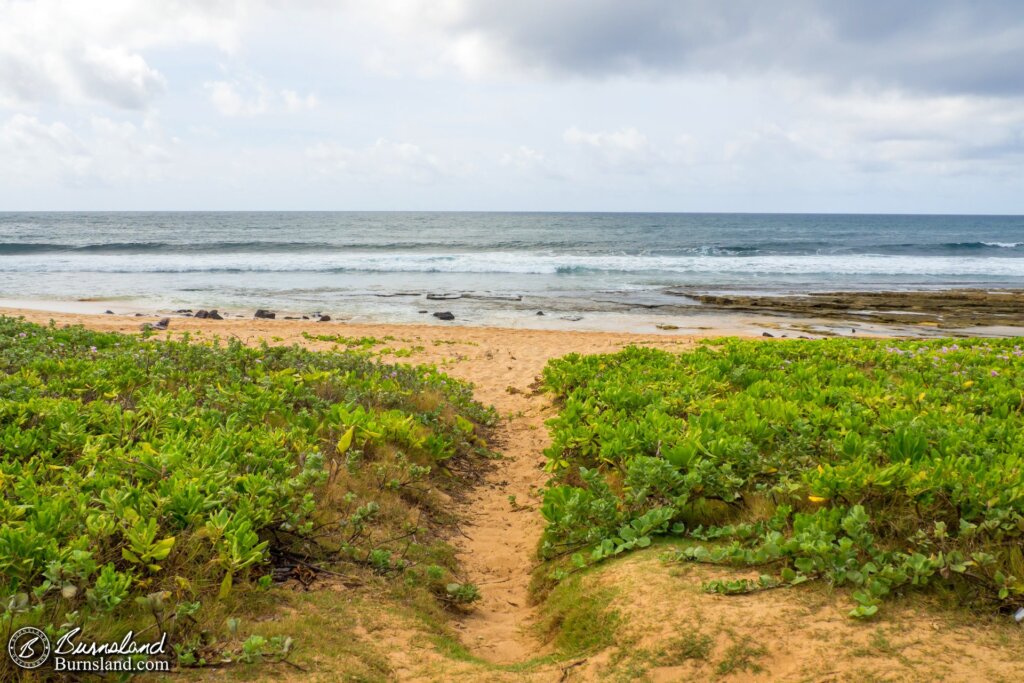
[
  {"x": 75, "y": 52},
  {"x": 385, "y": 159},
  {"x": 626, "y": 149},
  {"x": 102, "y": 151},
  {"x": 523, "y": 158},
  {"x": 626, "y": 140},
  {"x": 228, "y": 99},
  {"x": 294, "y": 102},
  {"x": 236, "y": 98},
  {"x": 32, "y": 148},
  {"x": 895, "y": 132},
  {"x": 118, "y": 77}
]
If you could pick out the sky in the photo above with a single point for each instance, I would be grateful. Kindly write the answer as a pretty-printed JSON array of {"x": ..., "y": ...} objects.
[{"x": 571, "y": 105}]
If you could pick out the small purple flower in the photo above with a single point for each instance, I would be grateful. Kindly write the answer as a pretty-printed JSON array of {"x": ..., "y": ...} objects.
[
  {"x": 22, "y": 335},
  {"x": 994, "y": 373},
  {"x": 92, "y": 349}
]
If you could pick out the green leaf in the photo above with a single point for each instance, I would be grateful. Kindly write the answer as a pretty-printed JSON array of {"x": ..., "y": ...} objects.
[
  {"x": 161, "y": 549},
  {"x": 225, "y": 586},
  {"x": 345, "y": 442}
]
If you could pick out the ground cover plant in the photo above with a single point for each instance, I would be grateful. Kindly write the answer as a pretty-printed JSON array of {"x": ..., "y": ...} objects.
[
  {"x": 884, "y": 466},
  {"x": 148, "y": 483}
]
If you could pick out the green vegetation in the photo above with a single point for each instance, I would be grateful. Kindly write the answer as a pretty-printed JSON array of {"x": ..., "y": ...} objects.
[
  {"x": 158, "y": 484},
  {"x": 578, "y": 619},
  {"x": 348, "y": 342},
  {"x": 690, "y": 645},
  {"x": 742, "y": 655},
  {"x": 877, "y": 465}
]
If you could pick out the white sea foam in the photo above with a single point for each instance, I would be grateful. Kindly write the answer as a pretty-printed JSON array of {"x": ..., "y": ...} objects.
[{"x": 516, "y": 262}]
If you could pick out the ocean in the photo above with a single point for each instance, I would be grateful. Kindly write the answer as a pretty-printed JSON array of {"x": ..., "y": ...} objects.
[{"x": 493, "y": 268}]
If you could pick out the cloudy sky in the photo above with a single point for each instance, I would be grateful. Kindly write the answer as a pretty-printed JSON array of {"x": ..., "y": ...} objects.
[{"x": 648, "y": 105}]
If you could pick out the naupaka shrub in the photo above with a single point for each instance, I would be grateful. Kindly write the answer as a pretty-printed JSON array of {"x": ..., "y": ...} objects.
[
  {"x": 140, "y": 475},
  {"x": 876, "y": 464}
]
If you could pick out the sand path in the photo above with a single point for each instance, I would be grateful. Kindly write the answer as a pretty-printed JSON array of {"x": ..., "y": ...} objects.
[{"x": 499, "y": 540}]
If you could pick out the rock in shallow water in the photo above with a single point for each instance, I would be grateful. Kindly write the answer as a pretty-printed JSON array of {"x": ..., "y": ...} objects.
[
  {"x": 444, "y": 315},
  {"x": 324, "y": 319},
  {"x": 262, "y": 313}
]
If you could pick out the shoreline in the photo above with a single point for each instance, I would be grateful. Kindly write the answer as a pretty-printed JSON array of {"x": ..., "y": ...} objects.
[{"x": 956, "y": 313}]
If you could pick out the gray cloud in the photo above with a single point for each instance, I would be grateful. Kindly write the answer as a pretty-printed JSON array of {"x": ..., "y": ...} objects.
[{"x": 926, "y": 45}]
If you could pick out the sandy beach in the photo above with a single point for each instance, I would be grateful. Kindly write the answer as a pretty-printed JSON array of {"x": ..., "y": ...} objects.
[{"x": 953, "y": 313}]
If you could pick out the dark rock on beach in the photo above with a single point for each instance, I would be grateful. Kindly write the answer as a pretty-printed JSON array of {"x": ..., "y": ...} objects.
[
  {"x": 767, "y": 334},
  {"x": 214, "y": 315},
  {"x": 262, "y": 313},
  {"x": 324, "y": 319},
  {"x": 162, "y": 324},
  {"x": 540, "y": 312},
  {"x": 202, "y": 314},
  {"x": 444, "y": 315},
  {"x": 108, "y": 312}
]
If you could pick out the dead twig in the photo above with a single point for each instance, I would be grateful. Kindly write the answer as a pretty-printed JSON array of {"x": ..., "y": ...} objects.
[{"x": 567, "y": 669}]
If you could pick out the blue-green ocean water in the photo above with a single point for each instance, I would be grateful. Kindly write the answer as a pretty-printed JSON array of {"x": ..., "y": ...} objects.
[{"x": 381, "y": 265}]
